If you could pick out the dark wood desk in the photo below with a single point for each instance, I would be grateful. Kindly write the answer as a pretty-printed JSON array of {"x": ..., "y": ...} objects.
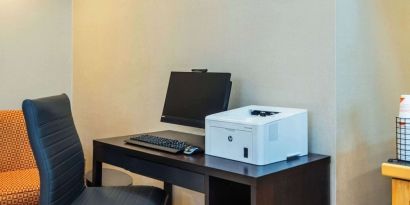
[{"x": 300, "y": 181}]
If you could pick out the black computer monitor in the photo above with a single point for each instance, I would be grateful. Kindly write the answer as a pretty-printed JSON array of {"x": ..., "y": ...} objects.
[{"x": 191, "y": 96}]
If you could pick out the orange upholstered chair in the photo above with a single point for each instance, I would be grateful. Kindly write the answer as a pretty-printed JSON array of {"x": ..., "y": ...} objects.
[{"x": 19, "y": 179}]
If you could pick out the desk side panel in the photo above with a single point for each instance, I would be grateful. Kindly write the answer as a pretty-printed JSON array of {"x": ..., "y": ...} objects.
[
  {"x": 400, "y": 192},
  {"x": 308, "y": 184}
]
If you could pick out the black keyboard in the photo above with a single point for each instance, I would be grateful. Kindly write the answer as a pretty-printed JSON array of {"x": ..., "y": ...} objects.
[{"x": 160, "y": 143}]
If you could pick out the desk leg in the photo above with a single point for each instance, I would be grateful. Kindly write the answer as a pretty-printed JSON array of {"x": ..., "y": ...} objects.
[
  {"x": 253, "y": 195},
  {"x": 97, "y": 173},
  {"x": 206, "y": 190},
  {"x": 168, "y": 189}
]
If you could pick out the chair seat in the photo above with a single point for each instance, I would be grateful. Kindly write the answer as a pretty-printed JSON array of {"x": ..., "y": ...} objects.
[
  {"x": 124, "y": 195},
  {"x": 19, "y": 187}
]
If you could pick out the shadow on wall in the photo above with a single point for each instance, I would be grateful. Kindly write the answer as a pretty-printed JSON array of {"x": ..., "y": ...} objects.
[{"x": 359, "y": 178}]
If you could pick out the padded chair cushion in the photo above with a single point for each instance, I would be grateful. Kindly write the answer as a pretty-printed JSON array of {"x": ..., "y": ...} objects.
[
  {"x": 15, "y": 150},
  {"x": 19, "y": 187},
  {"x": 135, "y": 195}
]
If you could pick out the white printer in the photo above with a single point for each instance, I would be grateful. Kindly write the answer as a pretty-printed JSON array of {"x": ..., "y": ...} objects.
[{"x": 257, "y": 135}]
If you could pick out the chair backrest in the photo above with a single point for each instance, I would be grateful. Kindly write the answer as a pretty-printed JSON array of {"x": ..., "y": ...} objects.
[
  {"x": 15, "y": 150},
  {"x": 57, "y": 149}
]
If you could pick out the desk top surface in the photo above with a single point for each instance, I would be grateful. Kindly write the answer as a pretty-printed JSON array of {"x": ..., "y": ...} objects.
[
  {"x": 203, "y": 161},
  {"x": 399, "y": 170}
]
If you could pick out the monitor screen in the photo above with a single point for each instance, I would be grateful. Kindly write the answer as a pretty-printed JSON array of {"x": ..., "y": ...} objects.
[{"x": 191, "y": 96}]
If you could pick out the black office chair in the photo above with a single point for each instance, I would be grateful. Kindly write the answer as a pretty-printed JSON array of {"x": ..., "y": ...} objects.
[{"x": 60, "y": 159}]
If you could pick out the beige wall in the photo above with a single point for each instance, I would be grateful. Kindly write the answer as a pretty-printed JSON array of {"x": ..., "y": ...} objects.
[
  {"x": 35, "y": 50},
  {"x": 372, "y": 70},
  {"x": 280, "y": 53}
]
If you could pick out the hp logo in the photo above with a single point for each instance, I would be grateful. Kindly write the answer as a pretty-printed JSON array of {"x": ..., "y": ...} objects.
[{"x": 230, "y": 138}]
